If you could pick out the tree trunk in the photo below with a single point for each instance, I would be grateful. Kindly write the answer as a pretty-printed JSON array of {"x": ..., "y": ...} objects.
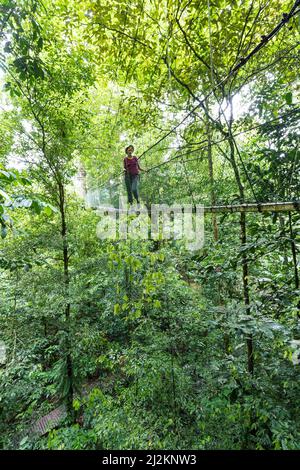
[
  {"x": 246, "y": 291},
  {"x": 294, "y": 256},
  {"x": 211, "y": 178},
  {"x": 243, "y": 235},
  {"x": 68, "y": 344}
]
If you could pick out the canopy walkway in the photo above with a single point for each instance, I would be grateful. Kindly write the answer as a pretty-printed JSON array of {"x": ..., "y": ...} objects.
[
  {"x": 287, "y": 206},
  {"x": 45, "y": 424},
  {"x": 254, "y": 207}
]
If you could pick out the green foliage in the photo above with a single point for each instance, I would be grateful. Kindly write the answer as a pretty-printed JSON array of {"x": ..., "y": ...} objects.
[{"x": 144, "y": 342}]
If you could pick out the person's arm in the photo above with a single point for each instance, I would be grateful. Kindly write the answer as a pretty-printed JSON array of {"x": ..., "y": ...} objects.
[
  {"x": 141, "y": 169},
  {"x": 125, "y": 166}
]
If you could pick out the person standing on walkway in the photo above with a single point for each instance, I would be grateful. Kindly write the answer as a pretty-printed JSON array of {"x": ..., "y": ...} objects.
[{"x": 132, "y": 169}]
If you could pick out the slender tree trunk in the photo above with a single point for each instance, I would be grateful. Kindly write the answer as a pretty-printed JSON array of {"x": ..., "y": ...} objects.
[
  {"x": 294, "y": 256},
  {"x": 243, "y": 233},
  {"x": 243, "y": 236},
  {"x": 14, "y": 316},
  {"x": 246, "y": 291},
  {"x": 282, "y": 229},
  {"x": 68, "y": 345},
  {"x": 211, "y": 179}
]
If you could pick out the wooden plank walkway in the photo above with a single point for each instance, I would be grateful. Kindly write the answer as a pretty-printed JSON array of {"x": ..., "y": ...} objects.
[
  {"x": 254, "y": 207},
  {"x": 288, "y": 206},
  {"x": 43, "y": 425}
]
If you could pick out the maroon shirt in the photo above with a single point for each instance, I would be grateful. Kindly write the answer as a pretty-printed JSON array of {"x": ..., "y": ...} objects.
[{"x": 131, "y": 165}]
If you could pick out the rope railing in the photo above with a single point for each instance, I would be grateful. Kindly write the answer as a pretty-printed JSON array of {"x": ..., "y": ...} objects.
[{"x": 286, "y": 206}]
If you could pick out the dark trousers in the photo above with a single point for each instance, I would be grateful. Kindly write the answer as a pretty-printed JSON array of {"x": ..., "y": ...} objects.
[{"x": 132, "y": 186}]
